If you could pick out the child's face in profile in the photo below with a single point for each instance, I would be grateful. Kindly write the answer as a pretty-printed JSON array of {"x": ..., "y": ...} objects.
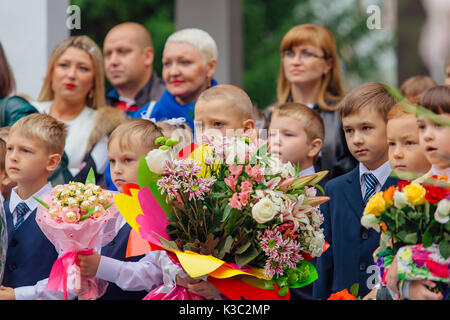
[
  {"x": 218, "y": 118},
  {"x": 405, "y": 152},
  {"x": 288, "y": 140},
  {"x": 365, "y": 133},
  {"x": 434, "y": 139},
  {"x": 124, "y": 164}
]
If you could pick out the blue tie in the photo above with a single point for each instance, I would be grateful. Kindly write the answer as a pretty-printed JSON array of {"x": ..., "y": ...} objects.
[
  {"x": 21, "y": 210},
  {"x": 371, "y": 183}
]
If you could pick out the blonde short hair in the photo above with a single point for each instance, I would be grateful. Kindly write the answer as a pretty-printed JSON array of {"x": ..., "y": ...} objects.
[
  {"x": 232, "y": 94},
  {"x": 371, "y": 95},
  {"x": 198, "y": 38},
  {"x": 90, "y": 47},
  {"x": 398, "y": 111},
  {"x": 45, "y": 128},
  {"x": 312, "y": 121},
  {"x": 136, "y": 133}
]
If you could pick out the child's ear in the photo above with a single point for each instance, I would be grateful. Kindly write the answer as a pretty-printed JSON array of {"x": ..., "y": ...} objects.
[
  {"x": 314, "y": 147},
  {"x": 248, "y": 124},
  {"x": 53, "y": 162}
]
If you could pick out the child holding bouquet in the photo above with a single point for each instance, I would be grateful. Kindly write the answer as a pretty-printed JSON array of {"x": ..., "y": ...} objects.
[
  {"x": 34, "y": 149},
  {"x": 433, "y": 137},
  {"x": 127, "y": 144}
]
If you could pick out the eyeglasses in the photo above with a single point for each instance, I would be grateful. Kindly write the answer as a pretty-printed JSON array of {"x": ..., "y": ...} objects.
[{"x": 303, "y": 55}]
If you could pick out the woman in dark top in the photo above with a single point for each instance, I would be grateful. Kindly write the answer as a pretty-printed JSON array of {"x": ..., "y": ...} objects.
[{"x": 310, "y": 74}]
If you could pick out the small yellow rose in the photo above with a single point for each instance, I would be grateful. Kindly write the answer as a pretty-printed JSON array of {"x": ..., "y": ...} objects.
[
  {"x": 376, "y": 204},
  {"x": 415, "y": 193}
]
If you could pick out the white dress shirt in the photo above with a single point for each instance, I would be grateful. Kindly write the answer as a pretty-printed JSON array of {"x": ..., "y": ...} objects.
[
  {"x": 307, "y": 171},
  {"x": 30, "y": 202},
  {"x": 381, "y": 173}
]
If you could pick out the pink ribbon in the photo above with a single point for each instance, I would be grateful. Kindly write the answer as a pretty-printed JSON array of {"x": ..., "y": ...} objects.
[{"x": 58, "y": 275}]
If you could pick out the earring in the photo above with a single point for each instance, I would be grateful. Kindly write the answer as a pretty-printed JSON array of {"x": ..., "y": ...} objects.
[{"x": 91, "y": 94}]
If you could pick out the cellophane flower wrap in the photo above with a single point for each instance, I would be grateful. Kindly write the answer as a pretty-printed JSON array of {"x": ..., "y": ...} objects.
[
  {"x": 414, "y": 218},
  {"x": 241, "y": 207},
  {"x": 77, "y": 218}
]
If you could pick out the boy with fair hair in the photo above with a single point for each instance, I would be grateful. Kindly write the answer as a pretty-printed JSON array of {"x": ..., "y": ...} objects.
[
  {"x": 224, "y": 110},
  {"x": 127, "y": 144},
  {"x": 363, "y": 112},
  {"x": 405, "y": 152},
  {"x": 34, "y": 149},
  {"x": 296, "y": 135}
]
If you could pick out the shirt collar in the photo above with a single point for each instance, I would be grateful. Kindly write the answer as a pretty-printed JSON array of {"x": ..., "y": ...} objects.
[
  {"x": 30, "y": 202},
  {"x": 307, "y": 171},
  {"x": 438, "y": 172},
  {"x": 381, "y": 173}
]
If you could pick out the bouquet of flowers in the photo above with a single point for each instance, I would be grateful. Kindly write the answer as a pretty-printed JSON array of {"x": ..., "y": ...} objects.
[
  {"x": 415, "y": 217},
  {"x": 77, "y": 218},
  {"x": 233, "y": 212}
]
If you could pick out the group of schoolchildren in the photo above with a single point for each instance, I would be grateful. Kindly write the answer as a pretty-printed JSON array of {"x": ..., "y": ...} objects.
[{"x": 380, "y": 134}]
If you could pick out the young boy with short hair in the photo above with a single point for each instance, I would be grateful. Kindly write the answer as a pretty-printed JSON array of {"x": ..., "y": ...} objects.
[
  {"x": 127, "y": 144},
  {"x": 406, "y": 156},
  {"x": 34, "y": 149},
  {"x": 223, "y": 110},
  {"x": 296, "y": 135},
  {"x": 363, "y": 112}
]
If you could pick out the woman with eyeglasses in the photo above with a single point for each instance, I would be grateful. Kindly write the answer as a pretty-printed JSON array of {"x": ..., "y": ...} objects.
[{"x": 310, "y": 75}]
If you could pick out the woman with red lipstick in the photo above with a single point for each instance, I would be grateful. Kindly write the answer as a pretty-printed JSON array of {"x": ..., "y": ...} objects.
[
  {"x": 189, "y": 63},
  {"x": 310, "y": 74},
  {"x": 73, "y": 92}
]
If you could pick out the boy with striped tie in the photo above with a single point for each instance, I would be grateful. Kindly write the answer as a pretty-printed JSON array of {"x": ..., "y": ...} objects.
[
  {"x": 363, "y": 112},
  {"x": 33, "y": 151}
]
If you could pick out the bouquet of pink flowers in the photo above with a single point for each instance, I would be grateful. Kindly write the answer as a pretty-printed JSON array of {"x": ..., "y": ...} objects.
[
  {"x": 77, "y": 218},
  {"x": 232, "y": 201}
]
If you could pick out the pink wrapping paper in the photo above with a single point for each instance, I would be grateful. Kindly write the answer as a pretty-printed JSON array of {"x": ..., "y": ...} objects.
[{"x": 70, "y": 239}]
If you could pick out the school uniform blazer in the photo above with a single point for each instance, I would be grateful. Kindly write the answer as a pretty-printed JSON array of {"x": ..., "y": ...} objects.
[
  {"x": 116, "y": 249},
  {"x": 347, "y": 259},
  {"x": 30, "y": 255}
]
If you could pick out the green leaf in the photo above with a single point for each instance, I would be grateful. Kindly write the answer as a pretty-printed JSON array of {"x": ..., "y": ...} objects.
[
  {"x": 166, "y": 243},
  {"x": 225, "y": 246},
  {"x": 45, "y": 205},
  {"x": 444, "y": 249},
  {"x": 244, "y": 247},
  {"x": 307, "y": 274},
  {"x": 108, "y": 206},
  {"x": 244, "y": 258},
  {"x": 354, "y": 289},
  {"x": 226, "y": 213},
  {"x": 427, "y": 238},
  {"x": 411, "y": 238},
  {"x": 88, "y": 214},
  {"x": 90, "y": 179}
]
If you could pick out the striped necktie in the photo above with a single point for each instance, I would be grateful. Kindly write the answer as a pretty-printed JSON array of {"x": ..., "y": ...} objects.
[
  {"x": 371, "y": 184},
  {"x": 21, "y": 209}
]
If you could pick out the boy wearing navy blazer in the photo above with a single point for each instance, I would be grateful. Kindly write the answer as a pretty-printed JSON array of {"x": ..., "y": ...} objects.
[
  {"x": 346, "y": 262},
  {"x": 33, "y": 151}
]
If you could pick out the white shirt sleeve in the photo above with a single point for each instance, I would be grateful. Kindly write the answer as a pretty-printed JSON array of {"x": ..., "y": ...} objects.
[
  {"x": 39, "y": 292},
  {"x": 153, "y": 270}
]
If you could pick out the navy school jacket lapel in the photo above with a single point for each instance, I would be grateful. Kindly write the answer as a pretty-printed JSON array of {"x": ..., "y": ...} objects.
[{"x": 352, "y": 192}]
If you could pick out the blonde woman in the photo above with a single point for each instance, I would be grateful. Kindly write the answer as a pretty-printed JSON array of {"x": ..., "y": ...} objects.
[
  {"x": 73, "y": 92},
  {"x": 310, "y": 75}
]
